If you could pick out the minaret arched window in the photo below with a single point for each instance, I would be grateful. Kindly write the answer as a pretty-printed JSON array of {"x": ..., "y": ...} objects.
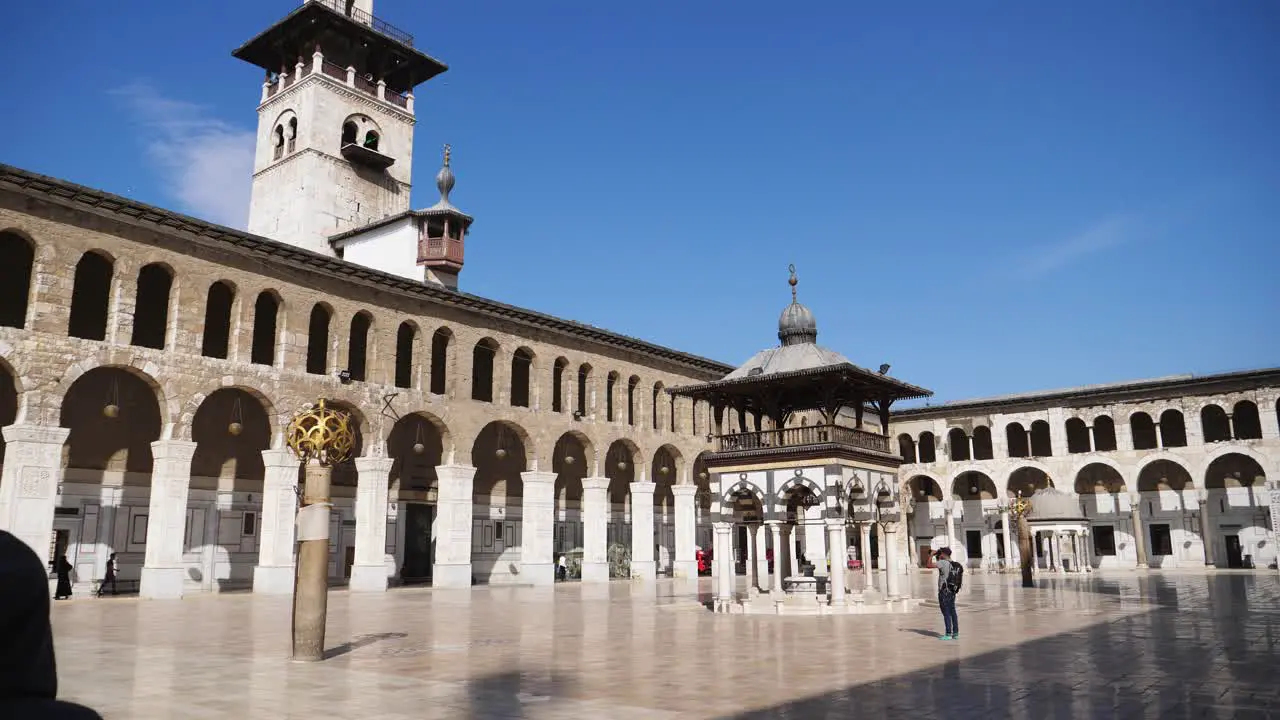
[
  {"x": 293, "y": 135},
  {"x": 371, "y": 140},
  {"x": 278, "y": 143},
  {"x": 349, "y": 133}
]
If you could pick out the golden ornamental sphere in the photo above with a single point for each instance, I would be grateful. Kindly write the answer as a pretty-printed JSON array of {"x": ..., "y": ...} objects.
[
  {"x": 111, "y": 410},
  {"x": 1020, "y": 506},
  {"x": 321, "y": 433},
  {"x": 235, "y": 429}
]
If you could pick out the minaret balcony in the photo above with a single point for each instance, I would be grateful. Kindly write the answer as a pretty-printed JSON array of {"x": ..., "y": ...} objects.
[
  {"x": 440, "y": 252},
  {"x": 803, "y": 437},
  {"x": 345, "y": 75}
]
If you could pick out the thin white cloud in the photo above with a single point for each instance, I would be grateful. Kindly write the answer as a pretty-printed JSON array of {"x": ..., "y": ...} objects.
[
  {"x": 206, "y": 163},
  {"x": 1097, "y": 238}
]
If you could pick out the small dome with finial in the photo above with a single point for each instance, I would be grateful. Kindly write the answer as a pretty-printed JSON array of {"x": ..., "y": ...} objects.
[
  {"x": 797, "y": 324},
  {"x": 444, "y": 179}
]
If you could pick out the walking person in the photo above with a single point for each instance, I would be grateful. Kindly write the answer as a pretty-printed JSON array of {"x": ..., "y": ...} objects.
[
  {"x": 110, "y": 576},
  {"x": 562, "y": 568},
  {"x": 950, "y": 578},
  {"x": 63, "y": 570}
]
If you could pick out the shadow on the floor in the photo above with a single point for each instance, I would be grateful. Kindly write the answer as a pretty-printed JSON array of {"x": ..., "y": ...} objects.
[
  {"x": 361, "y": 641},
  {"x": 507, "y": 695}
]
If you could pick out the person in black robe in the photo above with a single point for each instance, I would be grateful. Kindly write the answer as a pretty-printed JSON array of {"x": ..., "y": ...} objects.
[
  {"x": 28, "y": 672},
  {"x": 63, "y": 569}
]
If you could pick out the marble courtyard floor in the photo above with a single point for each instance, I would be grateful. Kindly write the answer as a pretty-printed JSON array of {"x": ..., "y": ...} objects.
[{"x": 1109, "y": 646}]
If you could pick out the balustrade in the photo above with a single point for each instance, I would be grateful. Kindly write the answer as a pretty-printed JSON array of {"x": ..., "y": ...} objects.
[{"x": 803, "y": 435}]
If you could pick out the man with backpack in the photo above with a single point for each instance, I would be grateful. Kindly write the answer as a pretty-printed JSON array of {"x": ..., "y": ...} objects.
[{"x": 950, "y": 578}]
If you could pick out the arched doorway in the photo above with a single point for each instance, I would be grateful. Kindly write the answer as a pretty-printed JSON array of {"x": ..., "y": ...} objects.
[
  {"x": 416, "y": 446},
  {"x": 620, "y": 468},
  {"x": 1100, "y": 487},
  {"x": 1170, "y": 535},
  {"x": 1233, "y": 512},
  {"x": 667, "y": 466},
  {"x": 499, "y": 454},
  {"x": 572, "y": 460}
]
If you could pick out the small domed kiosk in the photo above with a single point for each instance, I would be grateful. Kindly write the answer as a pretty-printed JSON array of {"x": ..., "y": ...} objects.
[{"x": 1059, "y": 530}]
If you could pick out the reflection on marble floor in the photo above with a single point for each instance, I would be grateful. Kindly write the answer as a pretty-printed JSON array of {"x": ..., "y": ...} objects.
[{"x": 1108, "y": 646}]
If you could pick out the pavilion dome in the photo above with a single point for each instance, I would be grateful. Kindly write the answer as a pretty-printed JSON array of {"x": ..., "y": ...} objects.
[
  {"x": 1051, "y": 504},
  {"x": 797, "y": 324}
]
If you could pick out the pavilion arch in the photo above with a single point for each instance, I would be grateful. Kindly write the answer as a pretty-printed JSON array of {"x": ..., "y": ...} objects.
[
  {"x": 231, "y": 428},
  {"x": 974, "y": 485},
  {"x": 521, "y": 391},
  {"x": 907, "y": 448},
  {"x": 924, "y": 488},
  {"x": 345, "y": 473},
  {"x": 791, "y": 490},
  {"x": 406, "y": 369},
  {"x": 1028, "y": 478},
  {"x": 1234, "y": 470},
  {"x": 1164, "y": 474},
  {"x": 1245, "y": 420},
  {"x": 10, "y": 392},
  {"x": 665, "y": 473},
  {"x": 1099, "y": 478},
  {"x": 17, "y": 265},
  {"x": 500, "y": 453},
  {"x": 484, "y": 356},
  {"x": 742, "y": 487},
  {"x": 623, "y": 464},
  {"x": 572, "y": 460},
  {"x": 99, "y": 443},
  {"x": 441, "y": 360},
  {"x": 91, "y": 296},
  {"x": 417, "y": 444}
]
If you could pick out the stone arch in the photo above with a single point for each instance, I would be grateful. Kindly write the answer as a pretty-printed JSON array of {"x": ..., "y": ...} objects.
[
  {"x": 500, "y": 452},
  {"x": 17, "y": 265},
  {"x": 1214, "y": 425},
  {"x": 572, "y": 460},
  {"x": 958, "y": 445},
  {"x": 623, "y": 465},
  {"x": 406, "y": 369},
  {"x": 441, "y": 349},
  {"x": 701, "y": 477},
  {"x": 114, "y": 413},
  {"x": 1078, "y": 440},
  {"x": 360, "y": 129},
  {"x": 583, "y": 393},
  {"x": 666, "y": 471},
  {"x": 521, "y": 391},
  {"x": 219, "y": 308},
  {"x": 740, "y": 486},
  {"x": 655, "y": 406},
  {"x": 484, "y": 358},
  {"x": 1142, "y": 430},
  {"x": 924, "y": 488},
  {"x": 1016, "y": 441},
  {"x": 417, "y": 444},
  {"x": 91, "y": 295},
  {"x": 907, "y": 448},
  {"x": 1041, "y": 439},
  {"x": 1244, "y": 450},
  {"x": 973, "y": 485},
  {"x": 231, "y": 427},
  {"x": 1164, "y": 474},
  {"x": 185, "y": 419},
  {"x": 1028, "y": 477},
  {"x": 1100, "y": 476},
  {"x": 1234, "y": 469},
  {"x": 1246, "y": 421},
  {"x": 793, "y": 484},
  {"x": 632, "y": 383},
  {"x": 1150, "y": 458}
]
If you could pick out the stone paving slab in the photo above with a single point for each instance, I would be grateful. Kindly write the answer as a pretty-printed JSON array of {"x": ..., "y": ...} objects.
[{"x": 1105, "y": 646}]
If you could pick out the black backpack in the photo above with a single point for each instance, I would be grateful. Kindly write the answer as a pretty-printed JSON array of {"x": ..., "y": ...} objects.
[{"x": 955, "y": 577}]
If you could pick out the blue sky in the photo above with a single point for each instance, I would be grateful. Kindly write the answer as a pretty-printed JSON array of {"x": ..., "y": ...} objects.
[{"x": 993, "y": 197}]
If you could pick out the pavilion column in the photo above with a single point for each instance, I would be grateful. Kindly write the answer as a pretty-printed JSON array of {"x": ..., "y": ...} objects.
[
  {"x": 452, "y": 568},
  {"x": 595, "y": 527},
  {"x": 892, "y": 589},
  {"x": 815, "y": 541},
  {"x": 1206, "y": 527},
  {"x": 1008, "y": 536},
  {"x": 837, "y": 544},
  {"x": 162, "y": 569},
  {"x": 642, "y": 563},
  {"x": 537, "y": 528},
  {"x": 722, "y": 557},
  {"x": 775, "y": 584},
  {"x": 949, "y": 510},
  {"x": 867, "y": 573},
  {"x": 1085, "y": 552},
  {"x": 1139, "y": 532},
  {"x": 753, "y": 578},
  {"x": 373, "y": 479},
  {"x": 793, "y": 564},
  {"x": 29, "y": 483},
  {"x": 686, "y": 562},
  {"x": 273, "y": 575},
  {"x": 762, "y": 558}
]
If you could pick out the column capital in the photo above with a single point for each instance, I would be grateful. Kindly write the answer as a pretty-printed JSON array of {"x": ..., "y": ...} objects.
[
  {"x": 1134, "y": 499},
  {"x": 456, "y": 471},
  {"x": 595, "y": 483},
  {"x": 280, "y": 458},
  {"x": 374, "y": 464},
  {"x": 178, "y": 449},
  {"x": 31, "y": 433},
  {"x": 538, "y": 476},
  {"x": 684, "y": 490},
  {"x": 643, "y": 488},
  {"x": 773, "y": 523},
  {"x": 835, "y": 523}
]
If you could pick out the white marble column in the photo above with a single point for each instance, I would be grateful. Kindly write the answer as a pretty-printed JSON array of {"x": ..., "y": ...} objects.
[
  {"x": 722, "y": 557},
  {"x": 686, "y": 562},
  {"x": 452, "y": 531},
  {"x": 642, "y": 562},
  {"x": 1008, "y": 537},
  {"x": 868, "y": 575},
  {"x": 892, "y": 575},
  {"x": 369, "y": 571},
  {"x": 1139, "y": 532},
  {"x": 837, "y": 544},
  {"x": 273, "y": 575},
  {"x": 1085, "y": 552},
  {"x": 537, "y": 528},
  {"x": 1206, "y": 526},
  {"x": 793, "y": 564},
  {"x": 949, "y": 510},
  {"x": 762, "y": 557},
  {"x": 815, "y": 540},
  {"x": 29, "y": 483},
  {"x": 595, "y": 527},
  {"x": 162, "y": 569},
  {"x": 775, "y": 584}
]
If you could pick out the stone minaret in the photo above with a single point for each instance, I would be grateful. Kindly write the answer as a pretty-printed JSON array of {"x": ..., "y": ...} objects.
[{"x": 335, "y": 125}]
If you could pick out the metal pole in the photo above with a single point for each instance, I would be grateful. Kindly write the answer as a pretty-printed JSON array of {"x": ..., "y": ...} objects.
[{"x": 311, "y": 594}]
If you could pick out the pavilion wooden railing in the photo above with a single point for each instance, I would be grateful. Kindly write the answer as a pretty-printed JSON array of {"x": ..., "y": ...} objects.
[{"x": 803, "y": 435}]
